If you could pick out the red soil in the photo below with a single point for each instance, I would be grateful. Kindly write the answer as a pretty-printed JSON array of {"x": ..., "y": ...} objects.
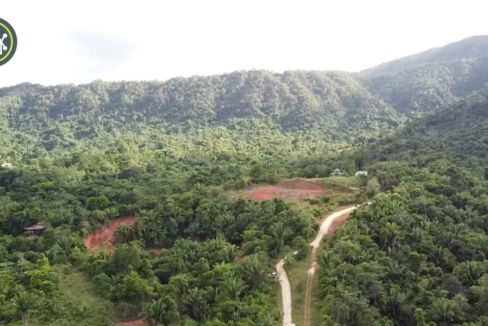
[
  {"x": 295, "y": 190},
  {"x": 240, "y": 258},
  {"x": 93, "y": 241},
  {"x": 137, "y": 322}
]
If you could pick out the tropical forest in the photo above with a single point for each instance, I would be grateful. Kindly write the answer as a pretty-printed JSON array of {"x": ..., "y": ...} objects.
[{"x": 252, "y": 198}]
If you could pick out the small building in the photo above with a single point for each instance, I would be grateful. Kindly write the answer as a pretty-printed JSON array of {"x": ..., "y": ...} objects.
[
  {"x": 336, "y": 173},
  {"x": 7, "y": 165},
  {"x": 365, "y": 173},
  {"x": 37, "y": 229}
]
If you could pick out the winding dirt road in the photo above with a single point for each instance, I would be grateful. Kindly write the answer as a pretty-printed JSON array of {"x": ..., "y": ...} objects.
[
  {"x": 285, "y": 293},
  {"x": 324, "y": 230}
]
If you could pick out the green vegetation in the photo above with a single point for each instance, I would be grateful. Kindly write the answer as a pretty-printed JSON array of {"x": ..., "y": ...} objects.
[
  {"x": 345, "y": 181},
  {"x": 417, "y": 255},
  {"x": 432, "y": 80},
  {"x": 166, "y": 154},
  {"x": 75, "y": 288},
  {"x": 297, "y": 272}
]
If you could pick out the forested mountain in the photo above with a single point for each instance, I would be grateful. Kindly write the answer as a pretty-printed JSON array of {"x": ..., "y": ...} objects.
[
  {"x": 432, "y": 79},
  {"x": 332, "y": 103},
  {"x": 342, "y": 107},
  {"x": 459, "y": 130}
]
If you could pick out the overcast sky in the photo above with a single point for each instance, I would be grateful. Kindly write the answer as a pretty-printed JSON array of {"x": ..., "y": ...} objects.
[{"x": 77, "y": 42}]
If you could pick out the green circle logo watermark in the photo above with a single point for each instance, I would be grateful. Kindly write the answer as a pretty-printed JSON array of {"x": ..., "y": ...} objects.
[{"x": 8, "y": 42}]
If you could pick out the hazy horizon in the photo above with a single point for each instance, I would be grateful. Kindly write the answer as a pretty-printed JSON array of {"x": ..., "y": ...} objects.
[{"x": 116, "y": 41}]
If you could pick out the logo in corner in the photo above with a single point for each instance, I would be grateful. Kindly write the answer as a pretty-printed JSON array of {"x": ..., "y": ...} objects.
[{"x": 8, "y": 42}]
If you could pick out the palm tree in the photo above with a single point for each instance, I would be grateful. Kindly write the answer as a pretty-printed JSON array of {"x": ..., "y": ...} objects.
[
  {"x": 65, "y": 244},
  {"x": 25, "y": 303},
  {"x": 105, "y": 249},
  {"x": 246, "y": 180},
  {"x": 229, "y": 253},
  {"x": 395, "y": 301},
  {"x": 444, "y": 311},
  {"x": 474, "y": 271},
  {"x": 161, "y": 312},
  {"x": 151, "y": 227},
  {"x": 199, "y": 190},
  {"x": 233, "y": 286},
  {"x": 195, "y": 299},
  {"x": 389, "y": 233},
  {"x": 124, "y": 233},
  {"x": 281, "y": 233},
  {"x": 255, "y": 270},
  {"x": 227, "y": 224}
]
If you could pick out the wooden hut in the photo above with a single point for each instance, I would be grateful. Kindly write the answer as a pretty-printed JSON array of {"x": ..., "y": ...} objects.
[{"x": 37, "y": 229}]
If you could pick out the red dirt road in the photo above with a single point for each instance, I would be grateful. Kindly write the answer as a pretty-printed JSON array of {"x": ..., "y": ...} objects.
[
  {"x": 93, "y": 241},
  {"x": 294, "y": 190}
]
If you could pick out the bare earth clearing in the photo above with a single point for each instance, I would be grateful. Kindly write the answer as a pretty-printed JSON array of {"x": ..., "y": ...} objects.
[
  {"x": 293, "y": 190},
  {"x": 93, "y": 241}
]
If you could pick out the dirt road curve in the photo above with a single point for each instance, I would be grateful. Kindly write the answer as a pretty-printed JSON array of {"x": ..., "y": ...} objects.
[
  {"x": 324, "y": 230},
  {"x": 285, "y": 293},
  {"x": 326, "y": 225}
]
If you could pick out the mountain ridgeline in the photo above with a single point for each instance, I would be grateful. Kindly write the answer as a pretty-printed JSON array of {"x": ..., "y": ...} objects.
[
  {"x": 433, "y": 79},
  {"x": 335, "y": 103},
  {"x": 342, "y": 107}
]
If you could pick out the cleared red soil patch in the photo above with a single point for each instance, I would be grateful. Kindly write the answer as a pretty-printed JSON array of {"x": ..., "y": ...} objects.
[
  {"x": 137, "y": 322},
  {"x": 93, "y": 241},
  {"x": 294, "y": 190}
]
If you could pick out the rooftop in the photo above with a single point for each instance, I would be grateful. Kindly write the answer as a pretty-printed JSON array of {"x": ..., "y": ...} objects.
[{"x": 37, "y": 227}]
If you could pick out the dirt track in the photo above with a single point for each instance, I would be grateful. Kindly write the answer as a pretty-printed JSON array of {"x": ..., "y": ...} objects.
[
  {"x": 285, "y": 293},
  {"x": 328, "y": 226}
]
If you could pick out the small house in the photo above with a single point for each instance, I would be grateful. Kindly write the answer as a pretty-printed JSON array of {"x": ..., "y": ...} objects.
[
  {"x": 7, "y": 165},
  {"x": 365, "y": 173},
  {"x": 336, "y": 173},
  {"x": 37, "y": 229}
]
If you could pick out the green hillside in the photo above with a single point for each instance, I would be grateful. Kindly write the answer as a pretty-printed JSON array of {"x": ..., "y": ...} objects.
[
  {"x": 460, "y": 131},
  {"x": 334, "y": 104},
  {"x": 433, "y": 79}
]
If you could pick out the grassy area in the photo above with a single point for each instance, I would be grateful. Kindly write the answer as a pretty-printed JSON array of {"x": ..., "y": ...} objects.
[
  {"x": 298, "y": 275},
  {"x": 279, "y": 301},
  {"x": 345, "y": 181},
  {"x": 79, "y": 298},
  {"x": 343, "y": 184}
]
